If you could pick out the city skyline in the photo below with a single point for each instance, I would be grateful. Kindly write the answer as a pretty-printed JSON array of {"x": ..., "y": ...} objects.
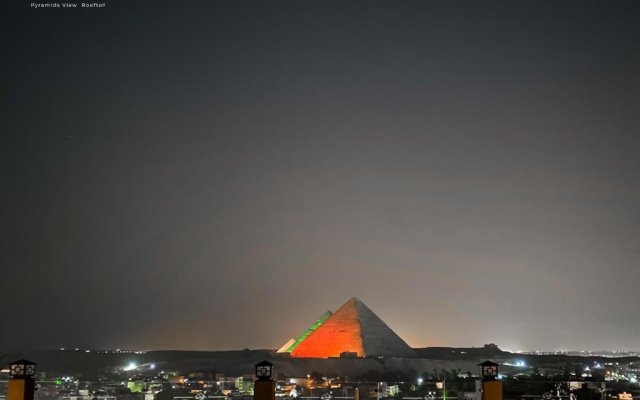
[{"x": 215, "y": 175}]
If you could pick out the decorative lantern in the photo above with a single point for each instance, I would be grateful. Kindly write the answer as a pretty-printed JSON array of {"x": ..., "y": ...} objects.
[
  {"x": 264, "y": 371},
  {"x": 489, "y": 370},
  {"x": 22, "y": 369}
]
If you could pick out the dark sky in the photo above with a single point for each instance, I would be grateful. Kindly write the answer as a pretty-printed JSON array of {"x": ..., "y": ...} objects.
[{"x": 216, "y": 174}]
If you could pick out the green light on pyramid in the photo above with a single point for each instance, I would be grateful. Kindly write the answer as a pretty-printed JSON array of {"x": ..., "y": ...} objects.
[{"x": 308, "y": 332}]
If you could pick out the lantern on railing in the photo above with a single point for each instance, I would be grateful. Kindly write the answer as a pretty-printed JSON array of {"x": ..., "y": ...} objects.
[
  {"x": 21, "y": 386},
  {"x": 264, "y": 371},
  {"x": 489, "y": 371},
  {"x": 22, "y": 369}
]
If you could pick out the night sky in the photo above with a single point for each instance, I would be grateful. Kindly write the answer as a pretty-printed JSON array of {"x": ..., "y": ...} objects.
[{"x": 217, "y": 174}]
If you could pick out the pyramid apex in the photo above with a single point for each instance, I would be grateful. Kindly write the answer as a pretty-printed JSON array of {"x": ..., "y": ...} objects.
[
  {"x": 355, "y": 299},
  {"x": 352, "y": 303}
]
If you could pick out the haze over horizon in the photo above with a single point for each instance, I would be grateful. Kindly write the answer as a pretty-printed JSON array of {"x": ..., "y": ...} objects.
[{"x": 216, "y": 175}]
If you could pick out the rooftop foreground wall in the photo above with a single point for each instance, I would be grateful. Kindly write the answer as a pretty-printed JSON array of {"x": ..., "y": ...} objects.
[
  {"x": 359, "y": 366},
  {"x": 237, "y": 363},
  {"x": 232, "y": 363}
]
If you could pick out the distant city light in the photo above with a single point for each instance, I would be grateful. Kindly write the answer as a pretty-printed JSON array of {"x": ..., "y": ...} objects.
[
  {"x": 420, "y": 380},
  {"x": 152, "y": 366},
  {"x": 130, "y": 367},
  {"x": 520, "y": 363}
]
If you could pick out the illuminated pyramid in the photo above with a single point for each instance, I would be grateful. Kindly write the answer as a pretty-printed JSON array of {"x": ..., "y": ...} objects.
[{"x": 354, "y": 328}]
